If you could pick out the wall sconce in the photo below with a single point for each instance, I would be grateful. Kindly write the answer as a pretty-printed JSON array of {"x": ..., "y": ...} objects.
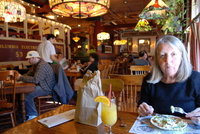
[
  {"x": 135, "y": 45},
  {"x": 56, "y": 32},
  {"x": 153, "y": 44},
  {"x": 79, "y": 46}
]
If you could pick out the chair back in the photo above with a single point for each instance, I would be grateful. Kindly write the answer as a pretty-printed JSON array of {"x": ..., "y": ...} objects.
[
  {"x": 117, "y": 88},
  {"x": 103, "y": 70},
  {"x": 130, "y": 94},
  {"x": 139, "y": 70},
  {"x": 105, "y": 61},
  {"x": 7, "y": 78}
]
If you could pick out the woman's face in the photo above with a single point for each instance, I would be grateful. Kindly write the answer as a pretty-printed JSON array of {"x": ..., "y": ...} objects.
[
  {"x": 145, "y": 56},
  {"x": 169, "y": 59}
]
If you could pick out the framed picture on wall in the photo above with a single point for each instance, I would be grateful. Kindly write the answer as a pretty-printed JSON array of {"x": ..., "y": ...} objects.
[{"x": 144, "y": 44}]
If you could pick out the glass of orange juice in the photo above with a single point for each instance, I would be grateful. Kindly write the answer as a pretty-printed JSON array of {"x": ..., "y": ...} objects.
[{"x": 109, "y": 114}]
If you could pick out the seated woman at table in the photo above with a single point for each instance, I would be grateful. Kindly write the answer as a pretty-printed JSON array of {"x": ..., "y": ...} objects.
[
  {"x": 171, "y": 82},
  {"x": 92, "y": 64}
]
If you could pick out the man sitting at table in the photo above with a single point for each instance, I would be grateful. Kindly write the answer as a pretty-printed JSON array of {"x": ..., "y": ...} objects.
[
  {"x": 142, "y": 59},
  {"x": 40, "y": 74}
]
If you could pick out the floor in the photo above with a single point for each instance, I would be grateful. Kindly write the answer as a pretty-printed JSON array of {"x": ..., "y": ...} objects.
[{"x": 4, "y": 127}]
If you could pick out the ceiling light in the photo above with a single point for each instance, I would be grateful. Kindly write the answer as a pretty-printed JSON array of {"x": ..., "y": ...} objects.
[
  {"x": 116, "y": 42},
  {"x": 79, "y": 8},
  {"x": 125, "y": 15},
  {"x": 79, "y": 46},
  {"x": 123, "y": 42},
  {"x": 142, "y": 25},
  {"x": 103, "y": 36},
  {"x": 120, "y": 42},
  {"x": 51, "y": 16},
  {"x": 154, "y": 10},
  {"x": 76, "y": 39},
  {"x": 11, "y": 11}
]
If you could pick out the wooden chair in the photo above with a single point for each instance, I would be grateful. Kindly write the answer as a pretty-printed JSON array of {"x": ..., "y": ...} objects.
[
  {"x": 105, "y": 61},
  {"x": 139, "y": 70},
  {"x": 117, "y": 88},
  {"x": 130, "y": 94},
  {"x": 7, "y": 102},
  {"x": 103, "y": 71},
  {"x": 111, "y": 67},
  {"x": 46, "y": 103}
]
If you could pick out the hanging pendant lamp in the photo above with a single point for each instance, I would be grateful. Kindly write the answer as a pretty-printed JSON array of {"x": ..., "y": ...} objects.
[
  {"x": 76, "y": 39},
  {"x": 142, "y": 25},
  {"x": 79, "y": 8},
  {"x": 11, "y": 11},
  {"x": 154, "y": 10},
  {"x": 103, "y": 36}
]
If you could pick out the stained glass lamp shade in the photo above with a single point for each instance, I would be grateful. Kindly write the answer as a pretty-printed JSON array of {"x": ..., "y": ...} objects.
[
  {"x": 142, "y": 25},
  {"x": 76, "y": 39},
  {"x": 11, "y": 11},
  {"x": 79, "y": 8},
  {"x": 154, "y": 10}
]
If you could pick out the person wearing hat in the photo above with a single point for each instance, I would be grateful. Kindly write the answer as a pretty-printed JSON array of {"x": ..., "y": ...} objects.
[
  {"x": 47, "y": 50},
  {"x": 42, "y": 75}
]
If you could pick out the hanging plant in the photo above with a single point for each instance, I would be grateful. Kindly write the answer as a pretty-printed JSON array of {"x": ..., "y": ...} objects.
[{"x": 174, "y": 21}]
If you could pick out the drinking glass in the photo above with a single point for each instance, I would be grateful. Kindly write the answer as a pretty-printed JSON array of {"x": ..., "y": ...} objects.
[{"x": 109, "y": 115}]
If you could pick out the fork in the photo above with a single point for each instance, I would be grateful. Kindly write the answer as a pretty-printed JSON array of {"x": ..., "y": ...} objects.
[{"x": 177, "y": 109}]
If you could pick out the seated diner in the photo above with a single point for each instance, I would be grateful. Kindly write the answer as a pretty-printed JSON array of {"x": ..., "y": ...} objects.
[
  {"x": 172, "y": 82},
  {"x": 40, "y": 74}
]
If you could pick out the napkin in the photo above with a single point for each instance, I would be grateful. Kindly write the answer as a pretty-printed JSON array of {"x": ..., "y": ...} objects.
[{"x": 58, "y": 119}]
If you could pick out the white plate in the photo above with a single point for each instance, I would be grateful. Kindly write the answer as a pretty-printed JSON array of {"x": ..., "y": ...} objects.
[{"x": 168, "y": 122}]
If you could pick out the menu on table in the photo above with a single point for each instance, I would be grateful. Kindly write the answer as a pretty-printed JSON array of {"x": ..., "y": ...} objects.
[{"x": 58, "y": 119}]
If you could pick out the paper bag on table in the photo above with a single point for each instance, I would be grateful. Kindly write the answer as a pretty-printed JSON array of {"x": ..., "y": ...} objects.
[{"x": 87, "y": 110}]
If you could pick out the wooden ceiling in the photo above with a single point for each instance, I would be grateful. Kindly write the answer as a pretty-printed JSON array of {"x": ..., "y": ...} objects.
[{"x": 121, "y": 16}]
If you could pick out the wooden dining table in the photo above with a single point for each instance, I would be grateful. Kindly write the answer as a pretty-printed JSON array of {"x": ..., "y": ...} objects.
[
  {"x": 22, "y": 88},
  {"x": 72, "y": 127},
  {"x": 74, "y": 75}
]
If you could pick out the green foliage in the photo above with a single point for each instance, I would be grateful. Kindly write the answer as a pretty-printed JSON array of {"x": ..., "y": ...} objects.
[
  {"x": 174, "y": 20},
  {"x": 82, "y": 50},
  {"x": 92, "y": 51}
]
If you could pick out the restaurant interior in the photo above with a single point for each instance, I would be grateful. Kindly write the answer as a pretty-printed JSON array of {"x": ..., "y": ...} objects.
[{"x": 117, "y": 30}]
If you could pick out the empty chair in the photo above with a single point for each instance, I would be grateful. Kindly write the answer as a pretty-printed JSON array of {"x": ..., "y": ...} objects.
[
  {"x": 130, "y": 94},
  {"x": 7, "y": 102},
  {"x": 140, "y": 69}
]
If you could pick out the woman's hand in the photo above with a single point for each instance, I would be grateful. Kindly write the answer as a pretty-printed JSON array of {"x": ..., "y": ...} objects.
[
  {"x": 145, "y": 109},
  {"x": 194, "y": 116}
]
